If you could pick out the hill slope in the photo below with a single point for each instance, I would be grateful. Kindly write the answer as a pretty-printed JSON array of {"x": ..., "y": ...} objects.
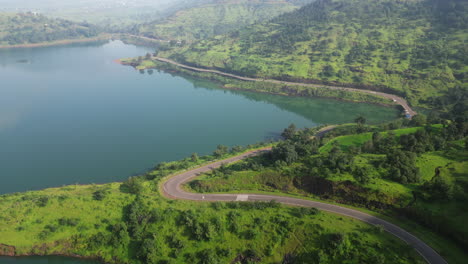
[
  {"x": 415, "y": 48},
  {"x": 214, "y": 18},
  {"x": 26, "y": 28}
]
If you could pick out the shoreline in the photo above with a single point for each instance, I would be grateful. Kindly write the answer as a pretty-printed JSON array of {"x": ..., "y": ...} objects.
[
  {"x": 396, "y": 99},
  {"x": 56, "y": 43},
  {"x": 223, "y": 86}
]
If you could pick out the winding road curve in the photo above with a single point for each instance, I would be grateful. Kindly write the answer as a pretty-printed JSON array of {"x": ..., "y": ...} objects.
[
  {"x": 395, "y": 98},
  {"x": 172, "y": 189}
]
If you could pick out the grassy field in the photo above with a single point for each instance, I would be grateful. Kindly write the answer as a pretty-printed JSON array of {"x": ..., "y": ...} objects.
[
  {"x": 345, "y": 142},
  {"x": 107, "y": 222}
]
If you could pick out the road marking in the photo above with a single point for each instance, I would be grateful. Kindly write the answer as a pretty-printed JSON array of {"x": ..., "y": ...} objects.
[{"x": 242, "y": 198}]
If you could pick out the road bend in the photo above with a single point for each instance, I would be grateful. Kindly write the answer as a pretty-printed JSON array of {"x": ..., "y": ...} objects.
[{"x": 172, "y": 188}]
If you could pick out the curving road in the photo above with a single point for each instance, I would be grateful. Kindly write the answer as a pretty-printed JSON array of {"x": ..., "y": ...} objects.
[
  {"x": 172, "y": 189},
  {"x": 396, "y": 99}
]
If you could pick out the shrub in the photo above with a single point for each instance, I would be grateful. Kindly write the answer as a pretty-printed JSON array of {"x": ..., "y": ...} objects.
[
  {"x": 68, "y": 221},
  {"x": 42, "y": 201},
  {"x": 99, "y": 195},
  {"x": 132, "y": 185}
]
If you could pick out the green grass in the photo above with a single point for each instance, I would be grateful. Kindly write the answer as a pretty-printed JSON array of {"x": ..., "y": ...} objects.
[
  {"x": 23, "y": 221},
  {"x": 345, "y": 142}
]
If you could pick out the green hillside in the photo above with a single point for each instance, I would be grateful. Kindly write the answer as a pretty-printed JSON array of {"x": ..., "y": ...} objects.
[
  {"x": 29, "y": 28},
  {"x": 414, "y": 48},
  {"x": 214, "y": 18},
  {"x": 413, "y": 171},
  {"x": 131, "y": 222}
]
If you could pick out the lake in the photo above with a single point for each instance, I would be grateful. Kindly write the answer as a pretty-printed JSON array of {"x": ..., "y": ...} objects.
[{"x": 70, "y": 114}]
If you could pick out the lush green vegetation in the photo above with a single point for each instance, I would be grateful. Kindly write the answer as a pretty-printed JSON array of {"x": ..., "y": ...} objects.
[
  {"x": 29, "y": 28},
  {"x": 214, "y": 18},
  {"x": 414, "y": 170},
  {"x": 413, "y": 48},
  {"x": 131, "y": 223}
]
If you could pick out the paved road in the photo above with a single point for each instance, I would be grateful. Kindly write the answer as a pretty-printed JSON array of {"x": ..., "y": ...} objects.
[
  {"x": 396, "y": 99},
  {"x": 172, "y": 189}
]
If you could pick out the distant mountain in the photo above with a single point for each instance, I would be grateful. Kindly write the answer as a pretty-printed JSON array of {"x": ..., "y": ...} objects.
[
  {"x": 207, "y": 18},
  {"x": 30, "y": 27},
  {"x": 417, "y": 48}
]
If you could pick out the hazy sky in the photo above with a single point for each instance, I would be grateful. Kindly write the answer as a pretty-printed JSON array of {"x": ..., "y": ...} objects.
[{"x": 55, "y": 4}]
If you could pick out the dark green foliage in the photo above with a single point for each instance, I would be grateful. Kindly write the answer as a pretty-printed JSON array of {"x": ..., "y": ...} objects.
[
  {"x": 336, "y": 161},
  {"x": 208, "y": 256},
  {"x": 289, "y": 132},
  {"x": 362, "y": 175},
  {"x": 338, "y": 244},
  {"x": 253, "y": 205},
  {"x": 194, "y": 157},
  {"x": 99, "y": 195},
  {"x": 120, "y": 237},
  {"x": 237, "y": 149},
  {"x": 132, "y": 185},
  {"x": 150, "y": 251},
  {"x": 402, "y": 166},
  {"x": 138, "y": 217},
  {"x": 304, "y": 211},
  {"x": 285, "y": 151},
  {"x": 98, "y": 240},
  {"x": 199, "y": 230},
  {"x": 220, "y": 151},
  {"x": 42, "y": 201},
  {"x": 439, "y": 187},
  {"x": 68, "y": 221}
]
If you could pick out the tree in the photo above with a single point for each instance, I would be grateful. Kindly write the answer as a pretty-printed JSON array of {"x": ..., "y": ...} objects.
[
  {"x": 419, "y": 120},
  {"x": 402, "y": 166},
  {"x": 360, "y": 120},
  {"x": 194, "y": 157},
  {"x": 289, "y": 132},
  {"x": 132, "y": 185},
  {"x": 120, "y": 237},
  {"x": 439, "y": 186},
  {"x": 237, "y": 149},
  {"x": 99, "y": 195},
  {"x": 285, "y": 151},
  {"x": 362, "y": 175},
  {"x": 220, "y": 151}
]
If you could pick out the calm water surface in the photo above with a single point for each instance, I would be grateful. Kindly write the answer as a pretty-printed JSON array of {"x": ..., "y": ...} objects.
[{"x": 72, "y": 115}]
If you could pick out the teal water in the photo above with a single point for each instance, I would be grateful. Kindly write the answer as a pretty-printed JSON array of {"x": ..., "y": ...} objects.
[{"x": 70, "y": 115}]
